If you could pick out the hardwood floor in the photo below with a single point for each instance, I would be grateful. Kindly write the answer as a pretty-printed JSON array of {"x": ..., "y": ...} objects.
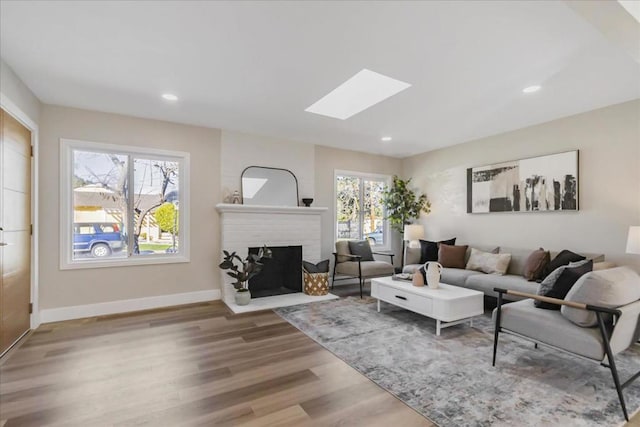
[{"x": 191, "y": 365}]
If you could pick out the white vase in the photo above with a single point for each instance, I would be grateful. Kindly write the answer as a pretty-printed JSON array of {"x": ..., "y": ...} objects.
[
  {"x": 433, "y": 270},
  {"x": 243, "y": 298}
]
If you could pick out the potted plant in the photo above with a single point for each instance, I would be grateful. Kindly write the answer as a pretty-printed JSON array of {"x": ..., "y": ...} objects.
[
  {"x": 403, "y": 205},
  {"x": 243, "y": 271}
]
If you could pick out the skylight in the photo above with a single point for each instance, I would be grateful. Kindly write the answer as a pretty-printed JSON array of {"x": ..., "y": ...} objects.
[{"x": 365, "y": 89}]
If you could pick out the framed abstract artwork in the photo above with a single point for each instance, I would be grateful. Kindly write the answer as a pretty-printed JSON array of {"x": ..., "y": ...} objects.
[{"x": 538, "y": 184}]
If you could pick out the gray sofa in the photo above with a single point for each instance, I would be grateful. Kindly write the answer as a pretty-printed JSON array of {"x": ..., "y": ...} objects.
[{"x": 483, "y": 282}]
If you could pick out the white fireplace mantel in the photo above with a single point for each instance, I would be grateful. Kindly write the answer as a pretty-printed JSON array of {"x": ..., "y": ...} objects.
[
  {"x": 245, "y": 226},
  {"x": 294, "y": 210}
]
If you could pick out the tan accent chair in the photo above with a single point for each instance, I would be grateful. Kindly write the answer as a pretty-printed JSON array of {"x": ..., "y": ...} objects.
[{"x": 349, "y": 266}]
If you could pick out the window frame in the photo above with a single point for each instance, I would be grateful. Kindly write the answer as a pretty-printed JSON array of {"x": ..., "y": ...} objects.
[
  {"x": 67, "y": 147},
  {"x": 364, "y": 176}
]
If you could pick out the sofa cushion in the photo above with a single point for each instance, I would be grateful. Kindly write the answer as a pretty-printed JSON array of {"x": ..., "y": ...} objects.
[
  {"x": 560, "y": 282},
  {"x": 362, "y": 248},
  {"x": 452, "y": 256},
  {"x": 429, "y": 250},
  {"x": 412, "y": 255},
  {"x": 487, "y": 282},
  {"x": 456, "y": 276},
  {"x": 550, "y": 327},
  {"x": 487, "y": 262},
  {"x": 518, "y": 259},
  {"x": 604, "y": 265},
  {"x": 369, "y": 268},
  {"x": 535, "y": 264},
  {"x": 563, "y": 258},
  {"x": 411, "y": 268},
  {"x": 607, "y": 288}
]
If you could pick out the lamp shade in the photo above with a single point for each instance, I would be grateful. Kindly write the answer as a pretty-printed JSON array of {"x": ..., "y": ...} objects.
[
  {"x": 413, "y": 232},
  {"x": 633, "y": 242}
]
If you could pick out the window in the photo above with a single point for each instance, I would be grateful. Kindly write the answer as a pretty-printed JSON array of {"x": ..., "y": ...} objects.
[
  {"x": 359, "y": 210},
  {"x": 122, "y": 205}
]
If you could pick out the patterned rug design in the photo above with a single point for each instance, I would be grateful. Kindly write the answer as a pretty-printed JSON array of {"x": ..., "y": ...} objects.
[{"x": 450, "y": 380}]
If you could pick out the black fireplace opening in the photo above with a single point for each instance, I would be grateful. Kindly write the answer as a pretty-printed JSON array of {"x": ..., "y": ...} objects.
[{"x": 281, "y": 274}]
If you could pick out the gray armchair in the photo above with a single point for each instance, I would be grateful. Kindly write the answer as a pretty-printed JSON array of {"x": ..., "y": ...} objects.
[
  {"x": 617, "y": 329},
  {"x": 350, "y": 266}
]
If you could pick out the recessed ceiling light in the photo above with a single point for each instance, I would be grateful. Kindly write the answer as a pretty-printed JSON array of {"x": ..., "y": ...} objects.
[
  {"x": 360, "y": 92},
  {"x": 386, "y": 138},
  {"x": 531, "y": 89},
  {"x": 169, "y": 97}
]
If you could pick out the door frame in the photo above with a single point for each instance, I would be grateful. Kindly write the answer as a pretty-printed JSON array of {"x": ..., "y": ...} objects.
[{"x": 10, "y": 107}]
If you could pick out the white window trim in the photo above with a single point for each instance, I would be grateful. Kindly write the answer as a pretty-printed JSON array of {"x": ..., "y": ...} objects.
[
  {"x": 365, "y": 175},
  {"x": 67, "y": 146}
]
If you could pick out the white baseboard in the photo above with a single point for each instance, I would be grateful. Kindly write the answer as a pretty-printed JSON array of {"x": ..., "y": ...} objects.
[{"x": 124, "y": 306}]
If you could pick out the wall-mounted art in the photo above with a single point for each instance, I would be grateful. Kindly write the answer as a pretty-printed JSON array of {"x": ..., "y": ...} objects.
[{"x": 537, "y": 184}]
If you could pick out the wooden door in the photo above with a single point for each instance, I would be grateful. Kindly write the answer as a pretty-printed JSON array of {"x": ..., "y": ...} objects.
[{"x": 15, "y": 236}]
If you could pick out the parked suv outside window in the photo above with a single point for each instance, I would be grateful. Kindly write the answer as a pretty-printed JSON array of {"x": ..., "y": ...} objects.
[{"x": 101, "y": 239}]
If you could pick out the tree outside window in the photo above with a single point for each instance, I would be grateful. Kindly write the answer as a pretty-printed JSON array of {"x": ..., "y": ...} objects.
[{"x": 359, "y": 210}]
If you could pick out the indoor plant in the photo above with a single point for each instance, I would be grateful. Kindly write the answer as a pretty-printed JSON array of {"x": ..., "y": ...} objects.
[
  {"x": 243, "y": 271},
  {"x": 403, "y": 205}
]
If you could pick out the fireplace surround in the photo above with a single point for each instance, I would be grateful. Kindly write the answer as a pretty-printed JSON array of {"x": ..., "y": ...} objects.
[{"x": 252, "y": 226}]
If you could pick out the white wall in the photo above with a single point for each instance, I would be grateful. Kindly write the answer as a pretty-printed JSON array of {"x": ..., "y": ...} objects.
[
  {"x": 240, "y": 150},
  {"x": 328, "y": 160},
  {"x": 609, "y": 185},
  {"x": 12, "y": 87},
  {"x": 62, "y": 288}
]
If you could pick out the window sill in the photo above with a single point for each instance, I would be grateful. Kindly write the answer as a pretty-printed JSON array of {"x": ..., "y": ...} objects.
[{"x": 125, "y": 262}]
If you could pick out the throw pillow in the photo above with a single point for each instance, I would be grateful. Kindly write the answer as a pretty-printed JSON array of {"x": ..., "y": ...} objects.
[
  {"x": 452, "y": 256},
  {"x": 321, "y": 267},
  {"x": 607, "y": 288},
  {"x": 563, "y": 258},
  {"x": 559, "y": 282},
  {"x": 429, "y": 250},
  {"x": 535, "y": 264},
  {"x": 361, "y": 248},
  {"x": 487, "y": 262}
]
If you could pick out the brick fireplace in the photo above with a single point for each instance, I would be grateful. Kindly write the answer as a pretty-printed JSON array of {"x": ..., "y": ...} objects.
[{"x": 249, "y": 226}]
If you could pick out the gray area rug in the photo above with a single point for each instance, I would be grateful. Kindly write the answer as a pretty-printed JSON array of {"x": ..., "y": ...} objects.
[{"x": 450, "y": 380}]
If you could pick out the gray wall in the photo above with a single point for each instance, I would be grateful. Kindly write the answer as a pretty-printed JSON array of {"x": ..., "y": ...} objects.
[{"x": 609, "y": 186}]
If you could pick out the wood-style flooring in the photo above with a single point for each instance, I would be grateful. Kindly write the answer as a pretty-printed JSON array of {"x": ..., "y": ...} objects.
[{"x": 191, "y": 365}]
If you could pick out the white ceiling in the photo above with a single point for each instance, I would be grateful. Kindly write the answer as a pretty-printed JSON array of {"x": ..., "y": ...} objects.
[{"x": 255, "y": 67}]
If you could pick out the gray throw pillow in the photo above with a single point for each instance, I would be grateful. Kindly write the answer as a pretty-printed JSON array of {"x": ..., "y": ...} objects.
[
  {"x": 548, "y": 285},
  {"x": 610, "y": 288},
  {"x": 321, "y": 267},
  {"x": 362, "y": 249}
]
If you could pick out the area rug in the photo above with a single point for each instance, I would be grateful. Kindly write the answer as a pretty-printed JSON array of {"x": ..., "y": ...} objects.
[{"x": 450, "y": 380}]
